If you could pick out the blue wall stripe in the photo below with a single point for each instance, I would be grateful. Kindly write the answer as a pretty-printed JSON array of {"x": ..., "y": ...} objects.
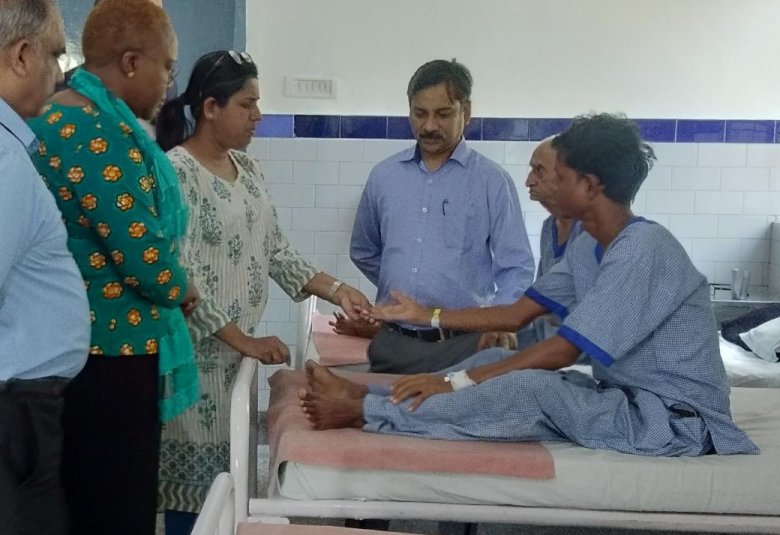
[{"x": 515, "y": 129}]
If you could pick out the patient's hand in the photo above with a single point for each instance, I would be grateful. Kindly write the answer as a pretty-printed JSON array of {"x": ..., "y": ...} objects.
[
  {"x": 497, "y": 339},
  {"x": 420, "y": 387},
  {"x": 404, "y": 310},
  {"x": 344, "y": 325}
]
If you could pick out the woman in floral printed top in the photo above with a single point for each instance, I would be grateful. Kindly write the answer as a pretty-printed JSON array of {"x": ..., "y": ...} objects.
[
  {"x": 234, "y": 245},
  {"x": 122, "y": 207}
]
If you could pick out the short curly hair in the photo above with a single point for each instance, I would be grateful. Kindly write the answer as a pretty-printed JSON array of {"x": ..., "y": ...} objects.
[
  {"x": 116, "y": 26},
  {"x": 609, "y": 147}
]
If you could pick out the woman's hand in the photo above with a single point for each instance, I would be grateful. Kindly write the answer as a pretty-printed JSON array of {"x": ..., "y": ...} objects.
[
  {"x": 421, "y": 387},
  {"x": 268, "y": 350},
  {"x": 403, "y": 310},
  {"x": 191, "y": 299},
  {"x": 352, "y": 301}
]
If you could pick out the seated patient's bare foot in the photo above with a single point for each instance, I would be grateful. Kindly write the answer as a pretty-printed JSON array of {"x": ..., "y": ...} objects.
[
  {"x": 331, "y": 413},
  {"x": 322, "y": 381}
]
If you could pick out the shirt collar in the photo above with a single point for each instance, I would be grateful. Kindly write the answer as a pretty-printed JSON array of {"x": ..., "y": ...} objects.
[
  {"x": 460, "y": 154},
  {"x": 11, "y": 121}
]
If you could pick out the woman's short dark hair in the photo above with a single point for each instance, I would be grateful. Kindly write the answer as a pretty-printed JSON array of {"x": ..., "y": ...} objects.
[
  {"x": 217, "y": 75},
  {"x": 455, "y": 75},
  {"x": 609, "y": 147}
]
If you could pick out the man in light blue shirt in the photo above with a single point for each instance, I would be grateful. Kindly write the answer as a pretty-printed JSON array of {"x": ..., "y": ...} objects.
[
  {"x": 441, "y": 223},
  {"x": 44, "y": 315}
]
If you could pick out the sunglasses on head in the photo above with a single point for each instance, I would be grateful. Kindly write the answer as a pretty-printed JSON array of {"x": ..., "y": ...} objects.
[{"x": 239, "y": 58}]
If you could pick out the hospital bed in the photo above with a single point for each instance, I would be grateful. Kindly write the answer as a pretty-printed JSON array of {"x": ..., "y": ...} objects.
[{"x": 591, "y": 488}]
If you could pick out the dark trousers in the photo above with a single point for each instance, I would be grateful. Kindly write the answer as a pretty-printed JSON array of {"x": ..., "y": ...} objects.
[
  {"x": 392, "y": 352},
  {"x": 112, "y": 446},
  {"x": 31, "y": 498}
]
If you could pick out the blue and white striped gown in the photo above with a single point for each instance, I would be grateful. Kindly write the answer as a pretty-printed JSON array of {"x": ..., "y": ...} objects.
[{"x": 641, "y": 312}]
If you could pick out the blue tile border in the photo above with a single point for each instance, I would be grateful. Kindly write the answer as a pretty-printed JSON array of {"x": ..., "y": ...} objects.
[{"x": 515, "y": 129}]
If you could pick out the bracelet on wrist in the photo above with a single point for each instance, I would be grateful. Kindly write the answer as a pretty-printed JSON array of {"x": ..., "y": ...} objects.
[{"x": 334, "y": 288}]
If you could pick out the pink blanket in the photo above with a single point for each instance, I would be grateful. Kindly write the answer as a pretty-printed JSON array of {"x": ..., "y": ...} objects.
[
  {"x": 290, "y": 438},
  {"x": 336, "y": 349}
]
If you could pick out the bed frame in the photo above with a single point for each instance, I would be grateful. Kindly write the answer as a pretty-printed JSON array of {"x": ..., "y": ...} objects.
[{"x": 245, "y": 421}]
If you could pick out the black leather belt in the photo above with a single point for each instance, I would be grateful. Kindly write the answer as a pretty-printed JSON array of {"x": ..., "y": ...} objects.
[{"x": 426, "y": 335}]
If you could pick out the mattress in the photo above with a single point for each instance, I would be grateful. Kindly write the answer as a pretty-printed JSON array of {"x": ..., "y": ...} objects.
[{"x": 585, "y": 478}]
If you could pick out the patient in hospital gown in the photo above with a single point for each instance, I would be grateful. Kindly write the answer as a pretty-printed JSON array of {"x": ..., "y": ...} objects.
[{"x": 628, "y": 296}]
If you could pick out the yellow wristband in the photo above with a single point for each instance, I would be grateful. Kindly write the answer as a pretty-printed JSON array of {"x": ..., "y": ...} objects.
[{"x": 435, "y": 318}]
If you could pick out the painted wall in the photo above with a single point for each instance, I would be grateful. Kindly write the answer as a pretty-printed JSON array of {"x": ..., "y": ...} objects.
[{"x": 529, "y": 58}]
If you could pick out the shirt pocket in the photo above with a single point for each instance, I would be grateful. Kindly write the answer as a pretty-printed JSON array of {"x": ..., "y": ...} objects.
[{"x": 460, "y": 228}]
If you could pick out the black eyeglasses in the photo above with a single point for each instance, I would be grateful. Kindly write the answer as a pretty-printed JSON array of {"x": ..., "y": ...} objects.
[{"x": 239, "y": 58}]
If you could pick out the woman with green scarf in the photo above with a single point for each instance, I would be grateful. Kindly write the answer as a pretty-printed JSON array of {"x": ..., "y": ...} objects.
[{"x": 121, "y": 203}]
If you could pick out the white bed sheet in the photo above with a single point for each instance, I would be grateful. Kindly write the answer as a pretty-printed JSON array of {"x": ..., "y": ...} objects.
[
  {"x": 746, "y": 369},
  {"x": 588, "y": 479}
]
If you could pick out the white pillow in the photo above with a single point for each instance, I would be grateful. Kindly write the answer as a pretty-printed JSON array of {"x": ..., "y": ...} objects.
[{"x": 764, "y": 340}]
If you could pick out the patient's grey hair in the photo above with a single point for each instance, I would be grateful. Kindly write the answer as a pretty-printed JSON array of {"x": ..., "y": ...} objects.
[{"x": 23, "y": 19}]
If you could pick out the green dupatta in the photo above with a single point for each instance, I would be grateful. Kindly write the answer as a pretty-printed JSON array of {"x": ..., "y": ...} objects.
[{"x": 178, "y": 373}]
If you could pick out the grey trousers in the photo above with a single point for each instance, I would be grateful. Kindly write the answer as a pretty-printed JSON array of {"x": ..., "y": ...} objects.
[{"x": 392, "y": 352}]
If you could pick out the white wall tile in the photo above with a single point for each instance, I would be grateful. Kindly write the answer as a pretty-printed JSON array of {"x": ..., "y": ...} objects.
[
  {"x": 716, "y": 250},
  {"x": 293, "y": 149},
  {"x": 670, "y": 202},
  {"x": 340, "y": 150},
  {"x": 376, "y": 150},
  {"x": 763, "y": 155},
  {"x": 331, "y": 242},
  {"x": 639, "y": 205},
  {"x": 338, "y": 196},
  {"x": 675, "y": 154},
  {"x": 301, "y": 240},
  {"x": 743, "y": 226},
  {"x": 519, "y": 152},
  {"x": 722, "y": 154},
  {"x": 529, "y": 206},
  {"x": 755, "y": 251},
  {"x": 493, "y": 150},
  {"x": 326, "y": 262},
  {"x": 346, "y": 220},
  {"x": 707, "y": 269},
  {"x": 315, "y": 172},
  {"x": 744, "y": 179},
  {"x": 696, "y": 178},
  {"x": 716, "y": 202},
  {"x": 767, "y": 203},
  {"x": 354, "y": 173},
  {"x": 292, "y": 196},
  {"x": 318, "y": 219},
  {"x": 277, "y": 310},
  {"x": 659, "y": 178},
  {"x": 278, "y": 172},
  {"x": 533, "y": 222},
  {"x": 345, "y": 267},
  {"x": 259, "y": 147},
  {"x": 774, "y": 179},
  {"x": 285, "y": 217},
  {"x": 694, "y": 226}
]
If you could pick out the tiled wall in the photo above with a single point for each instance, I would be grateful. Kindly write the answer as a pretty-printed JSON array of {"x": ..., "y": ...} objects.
[{"x": 717, "y": 198}]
